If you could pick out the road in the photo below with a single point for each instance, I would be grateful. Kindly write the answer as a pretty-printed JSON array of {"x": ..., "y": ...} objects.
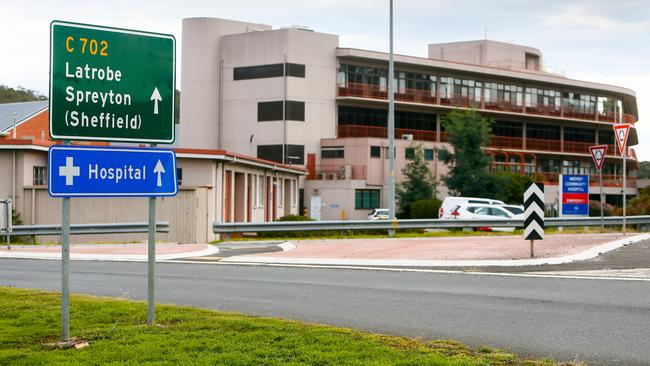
[{"x": 605, "y": 322}]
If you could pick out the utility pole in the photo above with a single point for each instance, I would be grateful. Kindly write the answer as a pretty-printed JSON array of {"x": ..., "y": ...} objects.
[{"x": 391, "y": 126}]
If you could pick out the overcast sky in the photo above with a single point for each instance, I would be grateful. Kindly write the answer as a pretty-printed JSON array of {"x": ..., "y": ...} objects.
[{"x": 598, "y": 40}]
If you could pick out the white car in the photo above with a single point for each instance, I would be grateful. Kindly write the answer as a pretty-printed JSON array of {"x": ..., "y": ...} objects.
[
  {"x": 481, "y": 211},
  {"x": 379, "y": 214},
  {"x": 450, "y": 203}
]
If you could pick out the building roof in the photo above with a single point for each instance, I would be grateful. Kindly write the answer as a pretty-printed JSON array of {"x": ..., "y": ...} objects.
[{"x": 23, "y": 110}]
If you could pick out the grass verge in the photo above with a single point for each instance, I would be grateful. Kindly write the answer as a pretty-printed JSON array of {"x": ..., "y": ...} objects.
[{"x": 116, "y": 331}]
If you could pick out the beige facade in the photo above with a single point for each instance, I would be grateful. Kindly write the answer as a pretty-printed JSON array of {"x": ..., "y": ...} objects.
[
  {"x": 544, "y": 122},
  {"x": 215, "y": 186}
]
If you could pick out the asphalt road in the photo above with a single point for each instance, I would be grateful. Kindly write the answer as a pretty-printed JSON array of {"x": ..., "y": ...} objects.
[{"x": 605, "y": 322}]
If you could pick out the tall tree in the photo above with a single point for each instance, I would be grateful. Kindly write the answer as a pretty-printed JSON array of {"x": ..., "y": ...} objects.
[
  {"x": 467, "y": 132},
  {"x": 418, "y": 183}
]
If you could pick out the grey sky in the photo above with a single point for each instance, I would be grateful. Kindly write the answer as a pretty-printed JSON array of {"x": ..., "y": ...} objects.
[{"x": 598, "y": 40}]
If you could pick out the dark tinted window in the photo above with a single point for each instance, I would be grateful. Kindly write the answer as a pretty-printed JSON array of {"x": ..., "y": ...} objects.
[
  {"x": 332, "y": 152},
  {"x": 366, "y": 198},
  {"x": 270, "y": 152},
  {"x": 515, "y": 210},
  {"x": 295, "y": 154},
  {"x": 295, "y": 111},
  {"x": 375, "y": 151},
  {"x": 258, "y": 72},
  {"x": 269, "y": 111},
  {"x": 296, "y": 70},
  {"x": 428, "y": 154},
  {"x": 409, "y": 153}
]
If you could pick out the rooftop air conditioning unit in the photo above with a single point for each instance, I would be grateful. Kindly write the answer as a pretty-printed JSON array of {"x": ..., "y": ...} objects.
[{"x": 407, "y": 136}]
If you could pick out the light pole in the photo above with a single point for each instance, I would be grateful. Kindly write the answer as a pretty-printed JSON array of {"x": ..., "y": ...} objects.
[{"x": 391, "y": 126}]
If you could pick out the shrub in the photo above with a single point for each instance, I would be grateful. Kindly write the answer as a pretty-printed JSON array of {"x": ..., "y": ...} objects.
[
  {"x": 594, "y": 209},
  {"x": 425, "y": 209}
]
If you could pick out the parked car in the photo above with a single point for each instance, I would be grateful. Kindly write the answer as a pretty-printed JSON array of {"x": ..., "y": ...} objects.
[
  {"x": 449, "y": 203},
  {"x": 514, "y": 209},
  {"x": 379, "y": 214},
  {"x": 482, "y": 211}
]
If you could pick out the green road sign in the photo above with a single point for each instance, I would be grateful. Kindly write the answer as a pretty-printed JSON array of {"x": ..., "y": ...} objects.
[{"x": 111, "y": 84}]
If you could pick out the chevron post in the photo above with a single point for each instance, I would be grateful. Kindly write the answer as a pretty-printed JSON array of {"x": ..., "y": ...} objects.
[{"x": 534, "y": 214}]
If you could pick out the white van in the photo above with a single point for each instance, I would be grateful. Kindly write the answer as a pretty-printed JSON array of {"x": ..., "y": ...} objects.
[{"x": 451, "y": 203}]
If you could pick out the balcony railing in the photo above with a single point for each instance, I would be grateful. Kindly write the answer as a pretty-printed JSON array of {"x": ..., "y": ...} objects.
[
  {"x": 375, "y": 91},
  {"x": 382, "y": 132}
]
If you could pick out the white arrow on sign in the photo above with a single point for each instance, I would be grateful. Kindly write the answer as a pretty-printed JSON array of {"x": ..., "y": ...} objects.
[
  {"x": 159, "y": 170},
  {"x": 155, "y": 96}
]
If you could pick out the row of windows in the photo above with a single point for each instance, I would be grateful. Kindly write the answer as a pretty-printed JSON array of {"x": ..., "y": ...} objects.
[
  {"x": 379, "y": 117},
  {"x": 268, "y": 71},
  {"x": 257, "y": 182},
  {"x": 295, "y": 154},
  {"x": 492, "y": 92},
  {"x": 551, "y": 132},
  {"x": 338, "y": 152},
  {"x": 272, "y": 111}
]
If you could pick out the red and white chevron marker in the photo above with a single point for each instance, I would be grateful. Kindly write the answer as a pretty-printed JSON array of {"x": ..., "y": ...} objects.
[
  {"x": 598, "y": 155},
  {"x": 621, "y": 131}
]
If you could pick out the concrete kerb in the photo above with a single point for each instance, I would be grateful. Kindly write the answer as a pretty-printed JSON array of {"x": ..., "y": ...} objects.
[
  {"x": 210, "y": 250},
  {"x": 584, "y": 255}
]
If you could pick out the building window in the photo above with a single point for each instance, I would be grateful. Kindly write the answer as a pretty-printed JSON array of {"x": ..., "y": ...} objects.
[
  {"x": 409, "y": 153},
  {"x": 280, "y": 185},
  {"x": 294, "y": 193},
  {"x": 40, "y": 176},
  {"x": 179, "y": 176},
  {"x": 268, "y": 71},
  {"x": 259, "y": 191},
  {"x": 295, "y": 154},
  {"x": 366, "y": 198},
  {"x": 296, "y": 70},
  {"x": 295, "y": 111},
  {"x": 270, "y": 152},
  {"x": 335, "y": 152},
  {"x": 258, "y": 72},
  {"x": 360, "y": 116},
  {"x": 269, "y": 111},
  {"x": 375, "y": 151},
  {"x": 428, "y": 154}
]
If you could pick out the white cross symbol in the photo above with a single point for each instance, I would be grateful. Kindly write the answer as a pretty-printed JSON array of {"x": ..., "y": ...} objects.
[{"x": 69, "y": 171}]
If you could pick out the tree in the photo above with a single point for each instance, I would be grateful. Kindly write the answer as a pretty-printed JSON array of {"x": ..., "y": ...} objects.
[
  {"x": 418, "y": 183},
  {"x": 644, "y": 170},
  {"x": 510, "y": 187},
  {"x": 467, "y": 132},
  {"x": 20, "y": 94}
]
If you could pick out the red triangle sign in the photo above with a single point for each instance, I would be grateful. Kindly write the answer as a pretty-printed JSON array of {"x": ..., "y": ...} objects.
[
  {"x": 621, "y": 131},
  {"x": 598, "y": 154}
]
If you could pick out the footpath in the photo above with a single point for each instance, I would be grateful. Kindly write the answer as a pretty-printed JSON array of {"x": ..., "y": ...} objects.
[{"x": 432, "y": 252}]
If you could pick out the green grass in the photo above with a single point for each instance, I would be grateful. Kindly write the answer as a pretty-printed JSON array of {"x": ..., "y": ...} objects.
[{"x": 116, "y": 331}]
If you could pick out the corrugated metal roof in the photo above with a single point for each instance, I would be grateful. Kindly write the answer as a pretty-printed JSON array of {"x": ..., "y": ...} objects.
[{"x": 23, "y": 111}]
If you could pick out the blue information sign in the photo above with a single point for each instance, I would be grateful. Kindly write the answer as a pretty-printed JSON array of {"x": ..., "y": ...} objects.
[
  {"x": 82, "y": 171},
  {"x": 575, "y": 195}
]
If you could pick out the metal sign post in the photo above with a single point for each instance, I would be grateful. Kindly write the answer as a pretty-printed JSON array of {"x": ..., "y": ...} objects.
[
  {"x": 621, "y": 133},
  {"x": 598, "y": 156},
  {"x": 151, "y": 260},
  {"x": 6, "y": 220},
  {"x": 110, "y": 84}
]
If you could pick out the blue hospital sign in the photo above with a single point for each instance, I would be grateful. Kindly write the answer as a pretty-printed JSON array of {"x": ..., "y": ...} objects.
[
  {"x": 76, "y": 171},
  {"x": 574, "y": 195}
]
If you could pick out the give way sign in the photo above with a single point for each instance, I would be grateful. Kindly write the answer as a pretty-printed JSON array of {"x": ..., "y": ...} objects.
[
  {"x": 621, "y": 131},
  {"x": 598, "y": 154}
]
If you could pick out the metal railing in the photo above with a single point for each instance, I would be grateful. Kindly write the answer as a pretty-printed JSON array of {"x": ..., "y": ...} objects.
[
  {"x": 80, "y": 229},
  {"x": 231, "y": 228}
]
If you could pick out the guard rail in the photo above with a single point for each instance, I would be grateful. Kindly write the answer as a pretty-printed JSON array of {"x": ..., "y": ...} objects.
[
  {"x": 231, "y": 228},
  {"x": 80, "y": 229}
]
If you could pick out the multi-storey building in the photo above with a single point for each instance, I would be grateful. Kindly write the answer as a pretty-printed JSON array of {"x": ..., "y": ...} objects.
[{"x": 293, "y": 96}]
